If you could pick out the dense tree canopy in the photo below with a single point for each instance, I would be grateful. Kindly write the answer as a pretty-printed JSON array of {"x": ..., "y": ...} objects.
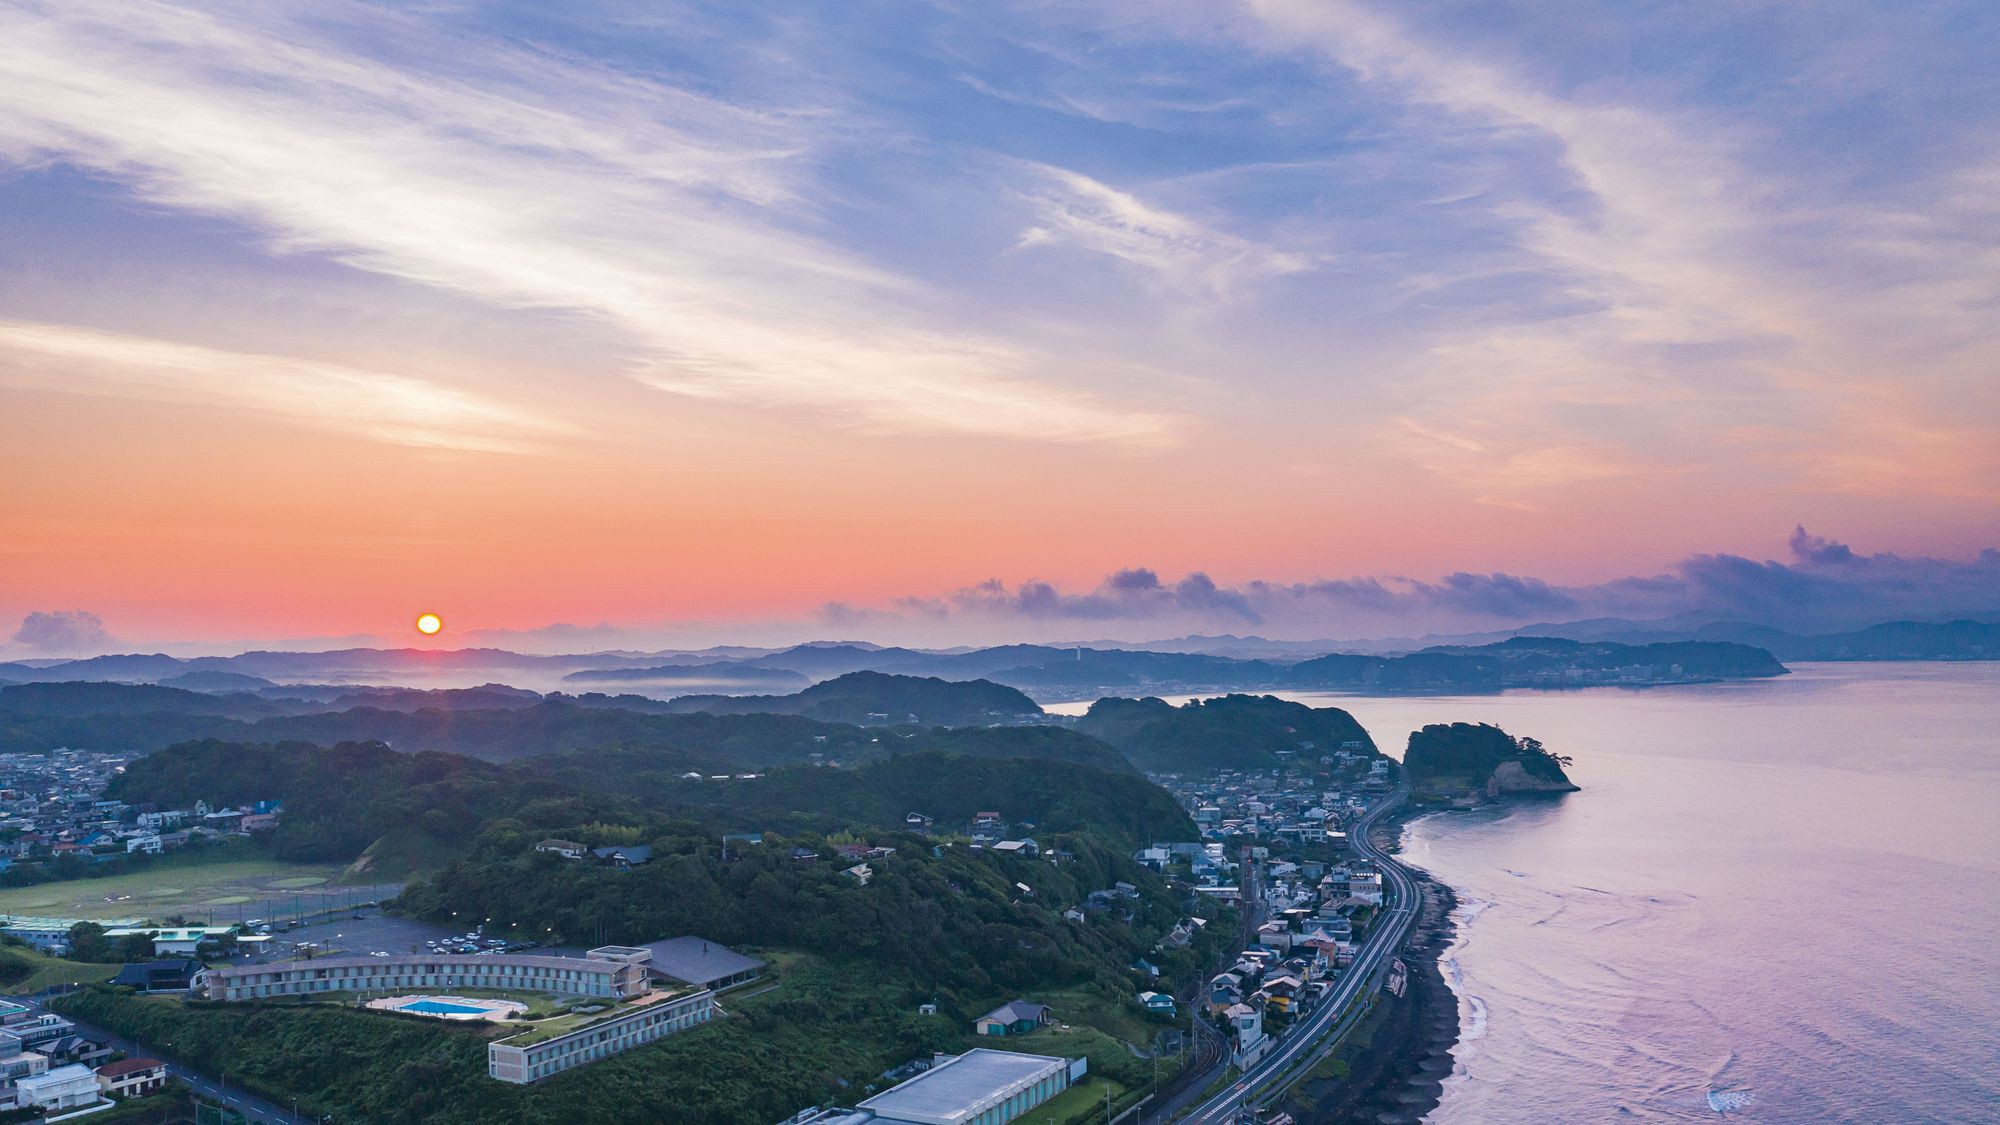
[{"x": 1231, "y": 732}]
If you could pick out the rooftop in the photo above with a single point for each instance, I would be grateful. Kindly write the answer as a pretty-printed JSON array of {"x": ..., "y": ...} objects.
[
  {"x": 453, "y": 959},
  {"x": 697, "y": 961},
  {"x": 959, "y": 1089}
]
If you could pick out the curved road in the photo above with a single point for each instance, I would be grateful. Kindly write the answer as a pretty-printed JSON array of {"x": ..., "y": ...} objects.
[
  {"x": 1307, "y": 1041},
  {"x": 254, "y": 1109}
]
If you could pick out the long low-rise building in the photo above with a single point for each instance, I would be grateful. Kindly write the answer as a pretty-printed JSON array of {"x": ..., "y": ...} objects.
[
  {"x": 610, "y": 972},
  {"x": 533, "y": 1054},
  {"x": 620, "y": 975}
]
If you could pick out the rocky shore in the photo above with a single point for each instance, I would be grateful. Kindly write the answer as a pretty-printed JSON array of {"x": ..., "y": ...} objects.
[{"x": 1392, "y": 1070}]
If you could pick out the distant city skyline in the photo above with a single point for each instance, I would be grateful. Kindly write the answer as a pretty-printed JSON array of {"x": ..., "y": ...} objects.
[{"x": 1013, "y": 322}]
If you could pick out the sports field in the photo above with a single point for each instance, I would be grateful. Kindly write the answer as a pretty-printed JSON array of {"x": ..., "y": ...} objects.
[{"x": 232, "y": 891}]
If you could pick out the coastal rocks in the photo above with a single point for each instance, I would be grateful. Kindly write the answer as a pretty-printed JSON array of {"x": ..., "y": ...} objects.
[
  {"x": 1513, "y": 777},
  {"x": 1398, "y": 1076}
]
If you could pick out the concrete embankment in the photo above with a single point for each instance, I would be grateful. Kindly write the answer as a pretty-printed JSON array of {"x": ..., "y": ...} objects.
[{"x": 1392, "y": 1069}]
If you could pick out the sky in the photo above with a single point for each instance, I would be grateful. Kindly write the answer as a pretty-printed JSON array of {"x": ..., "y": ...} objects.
[{"x": 933, "y": 321}]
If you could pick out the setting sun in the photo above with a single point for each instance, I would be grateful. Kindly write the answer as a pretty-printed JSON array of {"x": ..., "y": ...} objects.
[{"x": 429, "y": 623}]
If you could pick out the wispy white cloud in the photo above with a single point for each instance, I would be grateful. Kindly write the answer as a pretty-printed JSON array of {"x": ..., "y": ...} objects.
[
  {"x": 373, "y": 404},
  {"x": 1699, "y": 291},
  {"x": 1174, "y": 250},
  {"x": 528, "y": 181}
]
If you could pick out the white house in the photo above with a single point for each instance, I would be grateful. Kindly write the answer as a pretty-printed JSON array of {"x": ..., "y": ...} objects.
[
  {"x": 65, "y": 1087},
  {"x": 568, "y": 849},
  {"x": 1248, "y": 1024}
]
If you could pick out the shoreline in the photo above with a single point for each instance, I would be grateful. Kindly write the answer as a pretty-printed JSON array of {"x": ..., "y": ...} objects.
[{"x": 1392, "y": 1069}]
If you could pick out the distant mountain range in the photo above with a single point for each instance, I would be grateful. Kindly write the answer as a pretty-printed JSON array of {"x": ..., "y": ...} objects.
[{"x": 355, "y": 676}]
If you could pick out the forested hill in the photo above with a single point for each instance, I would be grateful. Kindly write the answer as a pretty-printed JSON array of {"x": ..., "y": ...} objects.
[
  {"x": 88, "y": 700},
  {"x": 1054, "y": 796},
  {"x": 1538, "y": 662},
  {"x": 1232, "y": 732},
  {"x": 1444, "y": 759},
  {"x": 341, "y": 801},
  {"x": 881, "y": 698},
  {"x": 141, "y": 719},
  {"x": 958, "y": 919}
]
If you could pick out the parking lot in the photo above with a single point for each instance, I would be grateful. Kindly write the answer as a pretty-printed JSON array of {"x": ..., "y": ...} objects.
[{"x": 351, "y": 936}]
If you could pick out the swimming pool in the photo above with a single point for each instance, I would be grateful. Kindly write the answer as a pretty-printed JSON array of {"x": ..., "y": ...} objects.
[{"x": 440, "y": 1008}]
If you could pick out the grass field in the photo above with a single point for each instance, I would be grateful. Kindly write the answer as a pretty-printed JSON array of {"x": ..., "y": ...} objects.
[
  {"x": 1119, "y": 1016},
  {"x": 25, "y": 971},
  {"x": 228, "y": 891}
]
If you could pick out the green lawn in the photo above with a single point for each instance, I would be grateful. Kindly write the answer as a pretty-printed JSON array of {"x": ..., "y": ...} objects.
[
  {"x": 1081, "y": 1103},
  {"x": 227, "y": 891},
  {"x": 25, "y": 970}
]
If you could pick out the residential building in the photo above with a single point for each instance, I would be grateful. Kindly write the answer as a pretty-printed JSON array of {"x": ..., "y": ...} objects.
[
  {"x": 1248, "y": 1025},
  {"x": 16, "y": 1063},
  {"x": 568, "y": 849},
  {"x": 38, "y": 1028},
  {"x": 159, "y": 976},
  {"x": 64, "y": 1088},
  {"x": 1016, "y": 1017},
  {"x": 132, "y": 1078},
  {"x": 624, "y": 856}
]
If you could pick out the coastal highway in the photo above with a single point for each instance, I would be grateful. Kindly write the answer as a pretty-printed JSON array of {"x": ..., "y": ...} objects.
[{"x": 1308, "y": 1040}]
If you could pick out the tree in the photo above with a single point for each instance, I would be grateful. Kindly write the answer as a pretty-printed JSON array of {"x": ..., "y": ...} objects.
[{"x": 86, "y": 943}]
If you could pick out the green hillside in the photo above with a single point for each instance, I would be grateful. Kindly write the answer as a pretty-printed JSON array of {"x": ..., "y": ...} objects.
[{"x": 1231, "y": 732}]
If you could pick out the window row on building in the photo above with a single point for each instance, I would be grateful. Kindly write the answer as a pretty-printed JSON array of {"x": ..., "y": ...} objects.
[
  {"x": 572, "y": 976},
  {"x": 524, "y": 1063}
]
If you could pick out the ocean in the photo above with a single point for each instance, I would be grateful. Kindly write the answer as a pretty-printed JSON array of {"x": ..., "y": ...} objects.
[{"x": 1772, "y": 901}]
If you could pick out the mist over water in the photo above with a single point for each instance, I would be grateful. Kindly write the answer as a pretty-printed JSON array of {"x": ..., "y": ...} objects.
[{"x": 1779, "y": 899}]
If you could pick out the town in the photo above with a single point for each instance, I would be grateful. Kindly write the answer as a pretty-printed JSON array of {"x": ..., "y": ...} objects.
[{"x": 1273, "y": 856}]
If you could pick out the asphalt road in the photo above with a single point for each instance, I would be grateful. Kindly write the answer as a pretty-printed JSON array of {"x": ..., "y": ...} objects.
[
  {"x": 1307, "y": 1041},
  {"x": 249, "y": 1105}
]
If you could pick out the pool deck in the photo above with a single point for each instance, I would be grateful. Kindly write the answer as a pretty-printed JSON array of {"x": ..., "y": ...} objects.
[{"x": 462, "y": 1007}]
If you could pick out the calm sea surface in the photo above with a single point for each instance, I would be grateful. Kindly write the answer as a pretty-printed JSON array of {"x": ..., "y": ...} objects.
[{"x": 1778, "y": 899}]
